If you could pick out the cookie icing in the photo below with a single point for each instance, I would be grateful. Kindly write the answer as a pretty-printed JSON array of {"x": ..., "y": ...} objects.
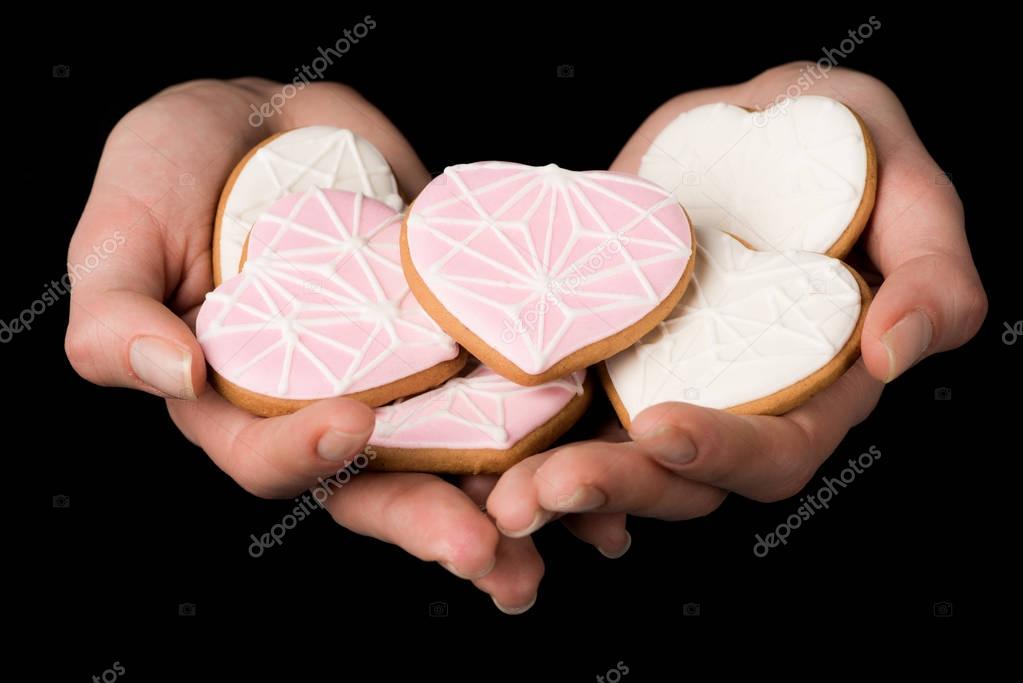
[
  {"x": 750, "y": 324},
  {"x": 540, "y": 262},
  {"x": 789, "y": 177},
  {"x": 314, "y": 156},
  {"x": 479, "y": 411},
  {"x": 321, "y": 307}
]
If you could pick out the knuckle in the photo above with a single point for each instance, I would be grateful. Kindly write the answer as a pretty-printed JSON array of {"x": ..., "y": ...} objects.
[
  {"x": 707, "y": 503},
  {"x": 975, "y": 306},
  {"x": 251, "y": 468},
  {"x": 257, "y": 486},
  {"x": 195, "y": 85},
  {"x": 329, "y": 90},
  {"x": 475, "y": 537},
  {"x": 711, "y": 452},
  {"x": 791, "y": 479},
  {"x": 783, "y": 70},
  {"x": 523, "y": 585},
  {"x": 79, "y": 349}
]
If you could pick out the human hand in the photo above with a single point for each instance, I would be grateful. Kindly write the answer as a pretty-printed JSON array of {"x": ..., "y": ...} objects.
[
  {"x": 682, "y": 460},
  {"x": 132, "y": 319}
]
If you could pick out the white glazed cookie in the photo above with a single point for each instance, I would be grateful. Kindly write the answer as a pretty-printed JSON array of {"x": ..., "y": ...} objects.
[
  {"x": 314, "y": 156},
  {"x": 800, "y": 175},
  {"x": 755, "y": 333}
]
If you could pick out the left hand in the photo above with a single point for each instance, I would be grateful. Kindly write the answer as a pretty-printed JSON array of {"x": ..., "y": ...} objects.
[{"x": 682, "y": 460}]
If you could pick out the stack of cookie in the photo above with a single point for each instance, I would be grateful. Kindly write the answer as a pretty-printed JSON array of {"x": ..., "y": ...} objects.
[{"x": 327, "y": 287}]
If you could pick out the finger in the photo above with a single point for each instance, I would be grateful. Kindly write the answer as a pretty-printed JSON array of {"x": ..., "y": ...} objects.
[
  {"x": 605, "y": 532},
  {"x": 423, "y": 514},
  {"x": 279, "y": 456},
  {"x": 144, "y": 239},
  {"x": 760, "y": 457},
  {"x": 513, "y": 502},
  {"x": 605, "y": 477},
  {"x": 516, "y": 576},
  {"x": 930, "y": 303}
]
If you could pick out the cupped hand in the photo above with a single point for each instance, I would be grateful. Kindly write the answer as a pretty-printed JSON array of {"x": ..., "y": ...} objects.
[
  {"x": 151, "y": 211},
  {"x": 682, "y": 460}
]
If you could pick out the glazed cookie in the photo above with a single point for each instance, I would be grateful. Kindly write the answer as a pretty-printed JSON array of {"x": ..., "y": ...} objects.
[
  {"x": 321, "y": 309},
  {"x": 801, "y": 174},
  {"x": 756, "y": 333},
  {"x": 540, "y": 272},
  {"x": 480, "y": 423},
  {"x": 314, "y": 156}
]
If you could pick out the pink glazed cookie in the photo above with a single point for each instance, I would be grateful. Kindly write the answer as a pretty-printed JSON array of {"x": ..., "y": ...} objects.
[
  {"x": 480, "y": 423},
  {"x": 322, "y": 309},
  {"x": 540, "y": 271}
]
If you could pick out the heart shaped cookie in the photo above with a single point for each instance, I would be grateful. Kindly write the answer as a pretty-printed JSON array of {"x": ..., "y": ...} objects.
[
  {"x": 321, "y": 309},
  {"x": 799, "y": 175},
  {"x": 314, "y": 156},
  {"x": 755, "y": 333},
  {"x": 540, "y": 272},
  {"x": 478, "y": 423}
]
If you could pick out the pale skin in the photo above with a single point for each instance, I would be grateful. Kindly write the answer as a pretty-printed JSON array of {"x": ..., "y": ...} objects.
[
  {"x": 679, "y": 461},
  {"x": 132, "y": 326}
]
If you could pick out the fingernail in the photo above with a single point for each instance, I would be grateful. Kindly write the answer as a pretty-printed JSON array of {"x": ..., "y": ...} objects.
[
  {"x": 906, "y": 341},
  {"x": 541, "y": 518},
  {"x": 473, "y": 577},
  {"x": 335, "y": 445},
  {"x": 163, "y": 365},
  {"x": 669, "y": 444},
  {"x": 582, "y": 499},
  {"x": 624, "y": 549},
  {"x": 514, "y": 610}
]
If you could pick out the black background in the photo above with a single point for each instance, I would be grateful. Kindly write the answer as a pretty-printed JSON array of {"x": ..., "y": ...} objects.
[{"x": 153, "y": 523}]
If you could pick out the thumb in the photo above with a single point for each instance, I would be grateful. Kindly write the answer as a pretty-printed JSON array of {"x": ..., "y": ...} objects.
[
  {"x": 125, "y": 338},
  {"x": 931, "y": 303},
  {"x": 120, "y": 333}
]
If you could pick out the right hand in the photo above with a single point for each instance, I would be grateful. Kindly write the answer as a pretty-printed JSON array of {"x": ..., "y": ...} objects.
[{"x": 132, "y": 319}]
